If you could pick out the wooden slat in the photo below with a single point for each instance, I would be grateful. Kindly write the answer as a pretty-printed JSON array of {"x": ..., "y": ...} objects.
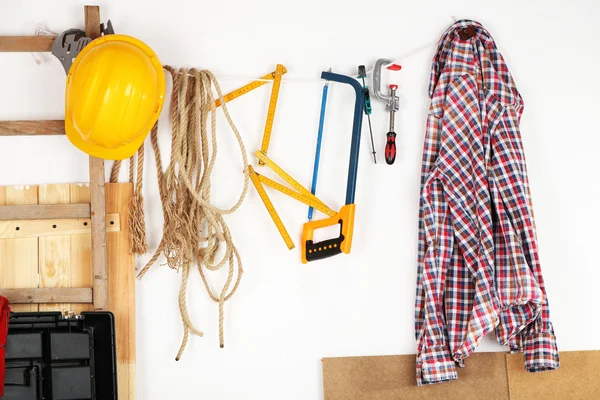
[
  {"x": 121, "y": 269},
  {"x": 32, "y": 128},
  {"x": 44, "y": 211},
  {"x": 26, "y": 43},
  {"x": 22, "y": 254},
  {"x": 55, "y": 248},
  {"x": 81, "y": 250},
  {"x": 97, "y": 195},
  {"x": 98, "y": 207},
  {"x": 92, "y": 21},
  {"x": 47, "y": 295},
  {"x": 37, "y": 228}
]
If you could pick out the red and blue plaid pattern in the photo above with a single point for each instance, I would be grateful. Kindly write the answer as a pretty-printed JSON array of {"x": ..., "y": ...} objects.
[{"x": 478, "y": 265}]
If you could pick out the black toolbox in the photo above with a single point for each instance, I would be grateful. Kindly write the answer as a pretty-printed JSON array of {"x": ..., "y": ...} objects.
[{"x": 53, "y": 357}]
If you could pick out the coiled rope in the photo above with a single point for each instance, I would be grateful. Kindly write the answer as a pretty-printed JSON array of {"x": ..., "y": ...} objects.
[{"x": 194, "y": 229}]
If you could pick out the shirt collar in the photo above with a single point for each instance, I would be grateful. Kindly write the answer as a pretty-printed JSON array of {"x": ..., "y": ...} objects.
[{"x": 496, "y": 76}]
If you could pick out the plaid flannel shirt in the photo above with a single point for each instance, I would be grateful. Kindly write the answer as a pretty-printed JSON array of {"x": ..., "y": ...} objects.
[{"x": 478, "y": 266}]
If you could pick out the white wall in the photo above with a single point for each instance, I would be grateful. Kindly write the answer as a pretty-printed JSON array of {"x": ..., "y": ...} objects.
[{"x": 287, "y": 316}]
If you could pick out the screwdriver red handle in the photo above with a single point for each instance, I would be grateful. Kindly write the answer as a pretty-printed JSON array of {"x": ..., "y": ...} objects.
[
  {"x": 390, "y": 145},
  {"x": 390, "y": 148}
]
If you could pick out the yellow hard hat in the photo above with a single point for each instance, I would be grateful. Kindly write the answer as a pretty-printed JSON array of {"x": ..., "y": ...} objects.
[{"x": 115, "y": 92}]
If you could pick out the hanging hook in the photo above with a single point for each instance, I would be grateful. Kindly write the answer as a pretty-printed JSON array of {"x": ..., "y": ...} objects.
[{"x": 40, "y": 30}]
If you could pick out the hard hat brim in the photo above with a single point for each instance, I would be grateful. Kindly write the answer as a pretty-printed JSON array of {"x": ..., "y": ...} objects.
[{"x": 120, "y": 153}]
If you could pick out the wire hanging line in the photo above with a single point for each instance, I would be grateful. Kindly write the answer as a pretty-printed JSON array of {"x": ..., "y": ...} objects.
[{"x": 398, "y": 60}]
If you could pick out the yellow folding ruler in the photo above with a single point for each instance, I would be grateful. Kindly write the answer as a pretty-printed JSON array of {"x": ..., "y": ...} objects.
[
  {"x": 298, "y": 192},
  {"x": 275, "y": 76},
  {"x": 344, "y": 218}
]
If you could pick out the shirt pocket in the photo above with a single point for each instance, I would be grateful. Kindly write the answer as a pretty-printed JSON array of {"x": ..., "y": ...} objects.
[{"x": 448, "y": 83}]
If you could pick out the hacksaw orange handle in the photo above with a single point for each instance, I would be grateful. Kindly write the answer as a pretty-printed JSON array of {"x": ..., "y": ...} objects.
[{"x": 317, "y": 251}]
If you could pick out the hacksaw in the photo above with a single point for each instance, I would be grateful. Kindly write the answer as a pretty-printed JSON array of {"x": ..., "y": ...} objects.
[{"x": 312, "y": 251}]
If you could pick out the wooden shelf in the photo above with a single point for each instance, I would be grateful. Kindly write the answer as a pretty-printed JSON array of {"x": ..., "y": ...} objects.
[
  {"x": 26, "y": 44},
  {"x": 32, "y": 128}
]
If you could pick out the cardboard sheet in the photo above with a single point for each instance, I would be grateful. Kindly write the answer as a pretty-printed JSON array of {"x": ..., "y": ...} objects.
[
  {"x": 578, "y": 378},
  {"x": 393, "y": 378},
  {"x": 494, "y": 376}
]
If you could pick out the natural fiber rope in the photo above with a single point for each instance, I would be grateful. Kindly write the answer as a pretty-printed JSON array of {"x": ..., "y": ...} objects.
[
  {"x": 137, "y": 221},
  {"x": 114, "y": 173},
  {"x": 131, "y": 167},
  {"x": 194, "y": 229}
]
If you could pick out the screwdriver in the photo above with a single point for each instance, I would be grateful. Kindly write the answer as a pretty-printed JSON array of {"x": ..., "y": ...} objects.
[
  {"x": 362, "y": 73},
  {"x": 390, "y": 146}
]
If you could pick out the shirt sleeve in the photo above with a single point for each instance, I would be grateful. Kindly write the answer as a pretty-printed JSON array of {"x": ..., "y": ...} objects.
[
  {"x": 430, "y": 154},
  {"x": 519, "y": 280},
  {"x": 434, "y": 360}
]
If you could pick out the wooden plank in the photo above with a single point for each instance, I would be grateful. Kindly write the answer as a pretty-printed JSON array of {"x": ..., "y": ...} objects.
[
  {"x": 394, "y": 378},
  {"x": 98, "y": 207},
  {"x": 55, "y": 249},
  {"x": 22, "y": 268},
  {"x": 26, "y": 44},
  {"x": 81, "y": 250},
  {"x": 43, "y": 228},
  {"x": 44, "y": 211},
  {"x": 92, "y": 21},
  {"x": 32, "y": 128},
  {"x": 121, "y": 268},
  {"x": 97, "y": 195},
  {"x": 576, "y": 379},
  {"x": 47, "y": 295}
]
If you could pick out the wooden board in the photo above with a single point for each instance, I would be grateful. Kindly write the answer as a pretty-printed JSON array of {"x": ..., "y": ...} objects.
[
  {"x": 21, "y": 255},
  {"x": 121, "y": 269},
  {"x": 55, "y": 251},
  {"x": 576, "y": 379},
  {"x": 98, "y": 211},
  {"x": 47, "y": 295},
  {"x": 26, "y": 43},
  {"x": 53, "y": 227},
  {"x": 97, "y": 195},
  {"x": 81, "y": 249},
  {"x": 37, "y": 211},
  {"x": 498, "y": 376},
  {"x": 92, "y": 21},
  {"x": 394, "y": 378},
  {"x": 32, "y": 128}
]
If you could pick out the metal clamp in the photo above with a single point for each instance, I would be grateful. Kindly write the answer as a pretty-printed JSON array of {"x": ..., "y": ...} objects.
[{"x": 392, "y": 101}]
